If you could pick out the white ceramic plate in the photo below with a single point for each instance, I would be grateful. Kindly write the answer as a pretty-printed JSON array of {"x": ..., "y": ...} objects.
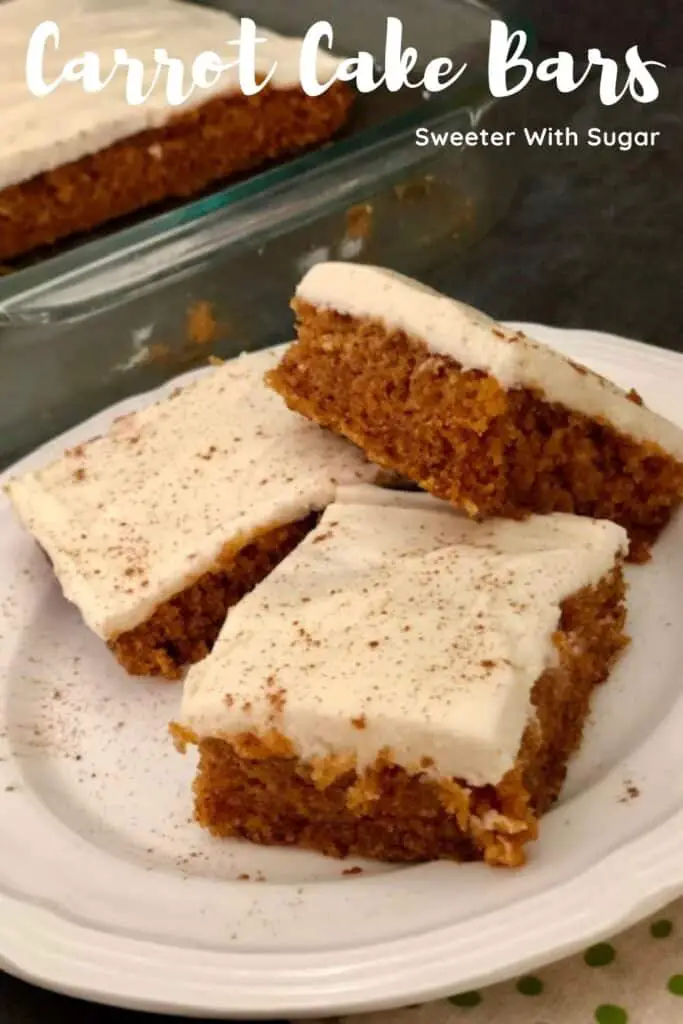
[{"x": 108, "y": 891}]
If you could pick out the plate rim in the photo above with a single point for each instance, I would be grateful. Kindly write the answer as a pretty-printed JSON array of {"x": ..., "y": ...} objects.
[{"x": 47, "y": 949}]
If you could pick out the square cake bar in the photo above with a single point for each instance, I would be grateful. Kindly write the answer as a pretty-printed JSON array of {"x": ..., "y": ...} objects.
[
  {"x": 475, "y": 413},
  {"x": 407, "y": 684},
  {"x": 160, "y": 526}
]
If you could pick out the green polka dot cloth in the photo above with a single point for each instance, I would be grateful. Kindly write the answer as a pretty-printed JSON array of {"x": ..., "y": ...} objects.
[{"x": 636, "y": 978}]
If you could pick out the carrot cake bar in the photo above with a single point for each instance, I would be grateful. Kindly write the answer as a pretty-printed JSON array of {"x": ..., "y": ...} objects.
[
  {"x": 408, "y": 684},
  {"x": 72, "y": 160},
  {"x": 157, "y": 528},
  {"x": 474, "y": 412}
]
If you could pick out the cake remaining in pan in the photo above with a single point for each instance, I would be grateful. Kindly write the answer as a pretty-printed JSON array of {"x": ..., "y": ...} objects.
[{"x": 72, "y": 160}]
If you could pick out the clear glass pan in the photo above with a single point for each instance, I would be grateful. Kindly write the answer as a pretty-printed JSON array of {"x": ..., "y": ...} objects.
[{"x": 125, "y": 311}]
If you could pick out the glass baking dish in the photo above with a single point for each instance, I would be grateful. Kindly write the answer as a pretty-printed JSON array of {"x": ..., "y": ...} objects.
[{"x": 125, "y": 311}]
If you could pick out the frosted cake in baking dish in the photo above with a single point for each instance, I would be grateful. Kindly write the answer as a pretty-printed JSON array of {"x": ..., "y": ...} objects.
[{"x": 72, "y": 160}]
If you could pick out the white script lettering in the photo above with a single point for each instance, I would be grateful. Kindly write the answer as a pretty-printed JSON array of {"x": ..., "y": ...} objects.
[
  {"x": 510, "y": 69},
  {"x": 506, "y": 54},
  {"x": 362, "y": 70},
  {"x": 207, "y": 68}
]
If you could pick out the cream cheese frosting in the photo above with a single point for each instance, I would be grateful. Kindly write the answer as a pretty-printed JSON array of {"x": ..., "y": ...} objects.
[
  {"x": 401, "y": 614},
  {"x": 41, "y": 133},
  {"x": 475, "y": 341},
  {"x": 132, "y": 518}
]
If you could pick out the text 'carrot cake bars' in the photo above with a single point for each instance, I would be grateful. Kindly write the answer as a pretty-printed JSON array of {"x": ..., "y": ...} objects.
[
  {"x": 157, "y": 528},
  {"x": 72, "y": 160},
  {"x": 408, "y": 684},
  {"x": 475, "y": 413}
]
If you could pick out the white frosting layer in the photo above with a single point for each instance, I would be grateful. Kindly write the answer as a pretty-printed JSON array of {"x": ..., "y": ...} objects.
[
  {"x": 396, "y": 608},
  {"x": 41, "y": 133},
  {"x": 134, "y": 517},
  {"x": 472, "y": 339}
]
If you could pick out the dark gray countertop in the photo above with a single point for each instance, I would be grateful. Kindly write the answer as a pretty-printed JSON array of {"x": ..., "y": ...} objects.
[{"x": 593, "y": 240}]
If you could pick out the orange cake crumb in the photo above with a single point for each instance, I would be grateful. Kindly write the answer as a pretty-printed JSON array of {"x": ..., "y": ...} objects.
[
  {"x": 224, "y": 137},
  {"x": 184, "y": 629}
]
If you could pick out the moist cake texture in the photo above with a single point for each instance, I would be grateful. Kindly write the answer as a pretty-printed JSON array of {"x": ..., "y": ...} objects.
[
  {"x": 72, "y": 160},
  {"x": 408, "y": 684},
  {"x": 158, "y": 527},
  {"x": 475, "y": 413}
]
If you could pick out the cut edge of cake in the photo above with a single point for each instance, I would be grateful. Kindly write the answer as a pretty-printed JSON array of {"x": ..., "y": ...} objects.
[{"x": 475, "y": 413}]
